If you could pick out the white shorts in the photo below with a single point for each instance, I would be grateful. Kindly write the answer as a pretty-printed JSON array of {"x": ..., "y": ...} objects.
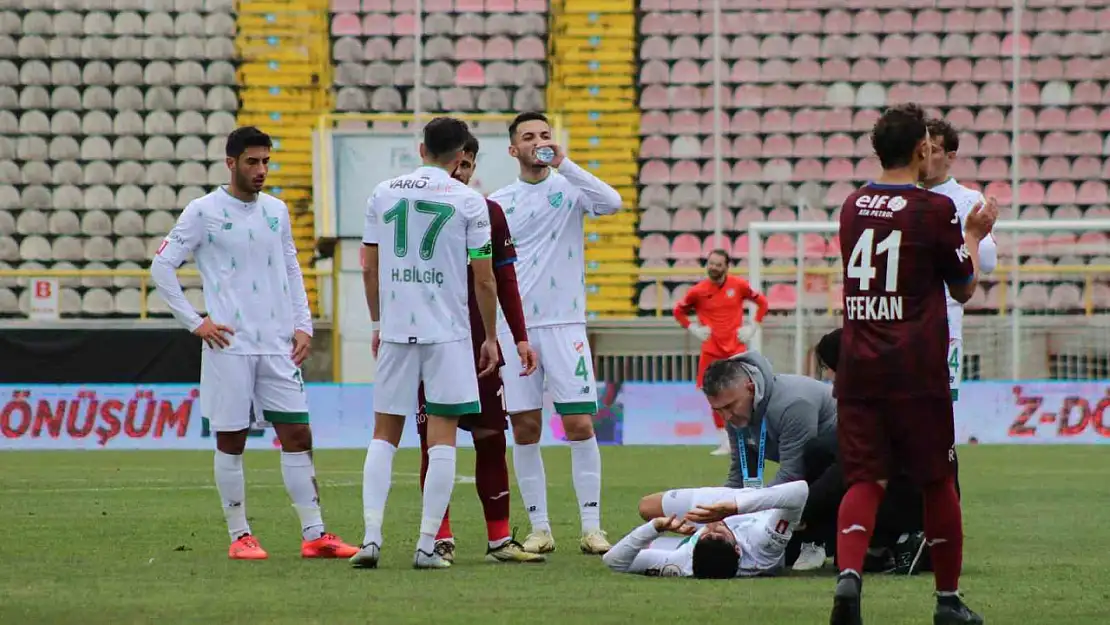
[
  {"x": 566, "y": 368},
  {"x": 231, "y": 383},
  {"x": 682, "y": 500},
  {"x": 955, "y": 366},
  {"x": 447, "y": 370}
]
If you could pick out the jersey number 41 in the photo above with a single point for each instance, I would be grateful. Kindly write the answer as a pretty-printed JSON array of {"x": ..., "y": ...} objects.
[{"x": 859, "y": 264}]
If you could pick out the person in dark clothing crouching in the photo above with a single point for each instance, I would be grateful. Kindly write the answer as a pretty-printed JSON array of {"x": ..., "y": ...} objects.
[{"x": 898, "y": 545}]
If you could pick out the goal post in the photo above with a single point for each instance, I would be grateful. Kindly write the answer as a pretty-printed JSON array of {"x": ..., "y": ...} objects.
[{"x": 1045, "y": 316}]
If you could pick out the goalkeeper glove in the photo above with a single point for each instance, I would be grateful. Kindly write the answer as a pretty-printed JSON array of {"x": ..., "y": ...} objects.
[
  {"x": 747, "y": 333},
  {"x": 698, "y": 330}
]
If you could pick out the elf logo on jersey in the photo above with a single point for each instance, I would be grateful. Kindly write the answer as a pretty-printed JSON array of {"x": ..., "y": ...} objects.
[
  {"x": 555, "y": 200},
  {"x": 273, "y": 223}
]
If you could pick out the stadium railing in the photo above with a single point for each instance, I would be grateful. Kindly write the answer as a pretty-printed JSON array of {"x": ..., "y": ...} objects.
[{"x": 328, "y": 311}]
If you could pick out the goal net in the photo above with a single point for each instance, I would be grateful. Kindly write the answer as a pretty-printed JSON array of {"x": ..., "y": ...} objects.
[{"x": 1043, "y": 314}]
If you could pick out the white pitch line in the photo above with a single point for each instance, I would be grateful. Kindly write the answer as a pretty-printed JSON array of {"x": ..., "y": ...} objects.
[{"x": 459, "y": 479}]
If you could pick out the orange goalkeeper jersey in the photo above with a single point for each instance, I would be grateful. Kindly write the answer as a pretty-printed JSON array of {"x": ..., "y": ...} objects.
[{"x": 720, "y": 307}]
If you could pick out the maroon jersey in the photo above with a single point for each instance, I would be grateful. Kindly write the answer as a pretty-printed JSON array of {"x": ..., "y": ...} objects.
[
  {"x": 899, "y": 245},
  {"x": 504, "y": 255}
]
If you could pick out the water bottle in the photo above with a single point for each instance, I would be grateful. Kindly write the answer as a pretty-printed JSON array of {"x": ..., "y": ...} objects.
[{"x": 545, "y": 154}]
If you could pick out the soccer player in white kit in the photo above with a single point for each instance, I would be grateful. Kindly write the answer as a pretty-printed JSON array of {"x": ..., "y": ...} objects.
[
  {"x": 257, "y": 333},
  {"x": 421, "y": 230},
  {"x": 546, "y": 207},
  {"x": 946, "y": 143},
  {"x": 745, "y": 533}
]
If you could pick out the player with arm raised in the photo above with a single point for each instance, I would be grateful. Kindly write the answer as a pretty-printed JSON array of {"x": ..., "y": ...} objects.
[
  {"x": 901, "y": 245},
  {"x": 491, "y": 471},
  {"x": 420, "y": 230},
  {"x": 945, "y": 144},
  {"x": 546, "y": 208},
  {"x": 745, "y": 535},
  {"x": 256, "y": 336},
  {"x": 718, "y": 305}
]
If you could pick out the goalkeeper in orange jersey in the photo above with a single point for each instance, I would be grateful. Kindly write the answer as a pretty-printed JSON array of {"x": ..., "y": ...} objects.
[{"x": 718, "y": 304}]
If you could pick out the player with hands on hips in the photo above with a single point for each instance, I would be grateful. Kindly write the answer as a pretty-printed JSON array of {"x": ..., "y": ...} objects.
[{"x": 256, "y": 336}]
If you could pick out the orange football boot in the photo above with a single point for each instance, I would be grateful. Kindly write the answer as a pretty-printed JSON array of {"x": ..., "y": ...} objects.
[
  {"x": 246, "y": 547},
  {"x": 327, "y": 546}
]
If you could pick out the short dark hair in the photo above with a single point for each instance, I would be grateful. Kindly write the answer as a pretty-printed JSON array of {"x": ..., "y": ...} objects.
[
  {"x": 950, "y": 139},
  {"x": 828, "y": 350},
  {"x": 246, "y": 137},
  {"x": 471, "y": 145},
  {"x": 443, "y": 136},
  {"x": 722, "y": 374},
  {"x": 897, "y": 133},
  {"x": 531, "y": 116},
  {"x": 720, "y": 252},
  {"x": 715, "y": 559}
]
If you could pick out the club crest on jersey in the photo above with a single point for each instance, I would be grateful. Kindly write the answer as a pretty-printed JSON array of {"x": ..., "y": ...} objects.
[
  {"x": 579, "y": 346},
  {"x": 555, "y": 200},
  {"x": 896, "y": 203},
  {"x": 731, "y": 292},
  {"x": 273, "y": 223}
]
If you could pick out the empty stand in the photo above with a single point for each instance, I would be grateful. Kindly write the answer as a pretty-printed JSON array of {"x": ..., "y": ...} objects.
[
  {"x": 803, "y": 84},
  {"x": 111, "y": 119}
]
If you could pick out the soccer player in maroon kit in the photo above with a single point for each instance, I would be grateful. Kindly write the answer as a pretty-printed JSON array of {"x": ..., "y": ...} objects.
[
  {"x": 488, "y": 428},
  {"x": 900, "y": 245}
]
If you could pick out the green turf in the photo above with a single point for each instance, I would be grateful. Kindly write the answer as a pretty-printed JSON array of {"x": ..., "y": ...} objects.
[{"x": 135, "y": 537}]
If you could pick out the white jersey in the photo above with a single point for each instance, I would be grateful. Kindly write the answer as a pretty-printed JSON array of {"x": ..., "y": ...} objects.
[
  {"x": 546, "y": 220},
  {"x": 965, "y": 199},
  {"x": 762, "y": 534},
  {"x": 249, "y": 270},
  {"x": 762, "y": 549},
  {"x": 426, "y": 225}
]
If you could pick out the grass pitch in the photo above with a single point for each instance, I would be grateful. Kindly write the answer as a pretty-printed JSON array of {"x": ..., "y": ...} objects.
[{"x": 137, "y": 537}]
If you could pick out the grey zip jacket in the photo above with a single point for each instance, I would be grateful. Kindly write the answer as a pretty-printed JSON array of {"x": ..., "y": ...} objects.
[{"x": 797, "y": 409}]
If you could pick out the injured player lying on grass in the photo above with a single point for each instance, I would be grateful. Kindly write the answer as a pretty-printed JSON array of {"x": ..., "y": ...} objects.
[{"x": 730, "y": 532}]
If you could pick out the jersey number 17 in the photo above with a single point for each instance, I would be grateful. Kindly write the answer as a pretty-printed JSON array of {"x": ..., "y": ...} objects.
[
  {"x": 399, "y": 217},
  {"x": 859, "y": 263}
]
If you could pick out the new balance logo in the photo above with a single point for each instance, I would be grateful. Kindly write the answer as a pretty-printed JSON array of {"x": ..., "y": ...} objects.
[
  {"x": 503, "y": 493},
  {"x": 531, "y": 508},
  {"x": 935, "y": 542},
  {"x": 854, "y": 528},
  {"x": 590, "y": 504}
]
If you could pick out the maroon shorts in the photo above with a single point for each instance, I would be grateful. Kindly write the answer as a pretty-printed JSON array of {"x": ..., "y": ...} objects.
[
  {"x": 492, "y": 416},
  {"x": 884, "y": 438}
]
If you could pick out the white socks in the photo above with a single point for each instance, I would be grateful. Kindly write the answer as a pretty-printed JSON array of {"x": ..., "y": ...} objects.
[
  {"x": 438, "y": 484},
  {"x": 530, "y": 477},
  {"x": 233, "y": 492},
  {"x": 377, "y": 477},
  {"x": 585, "y": 469},
  {"x": 300, "y": 482}
]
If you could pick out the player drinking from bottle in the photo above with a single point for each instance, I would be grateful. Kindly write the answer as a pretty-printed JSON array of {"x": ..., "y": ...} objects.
[
  {"x": 491, "y": 472},
  {"x": 257, "y": 333},
  {"x": 420, "y": 230},
  {"x": 718, "y": 304},
  {"x": 901, "y": 245},
  {"x": 546, "y": 208},
  {"x": 945, "y": 144}
]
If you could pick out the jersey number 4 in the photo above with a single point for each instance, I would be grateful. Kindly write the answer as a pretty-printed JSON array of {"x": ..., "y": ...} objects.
[
  {"x": 859, "y": 264},
  {"x": 399, "y": 217}
]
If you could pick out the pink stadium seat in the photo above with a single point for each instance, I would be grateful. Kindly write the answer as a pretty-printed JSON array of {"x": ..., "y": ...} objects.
[
  {"x": 653, "y": 122},
  {"x": 470, "y": 74},
  {"x": 1000, "y": 190},
  {"x": 1086, "y": 167},
  {"x": 709, "y": 223},
  {"x": 1092, "y": 192},
  {"x": 837, "y": 22},
  {"x": 776, "y": 121},
  {"x": 655, "y": 219},
  {"x": 655, "y": 147},
  {"x": 654, "y": 246},
  {"x": 777, "y": 146},
  {"x": 685, "y": 171},
  {"x": 654, "y": 297},
  {"x": 684, "y": 122},
  {"x": 868, "y": 22},
  {"x": 839, "y": 145},
  {"x": 864, "y": 70},
  {"x": 705, "y": 123},
  {"x": 714, "y": 242},
  {"x": 344, "y": 6},
  {"x": 655, "y": 172},
  {"x": 685, "y": 247},
  {"x": 654, "y": 97},
  {"x": 346, "y": 24},
  {"x": 990, "y": 119},
  {"x": 782, "y": 297},
  {"x": 1060, "y": 192},
  {"x": 686, "y": 219},
  {"x": 779, "y": 246},
  {"x": 745, "y": 121}
]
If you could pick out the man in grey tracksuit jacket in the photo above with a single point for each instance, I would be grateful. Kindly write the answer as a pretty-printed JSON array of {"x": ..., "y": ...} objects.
[{"x": 798, "y": 409}]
